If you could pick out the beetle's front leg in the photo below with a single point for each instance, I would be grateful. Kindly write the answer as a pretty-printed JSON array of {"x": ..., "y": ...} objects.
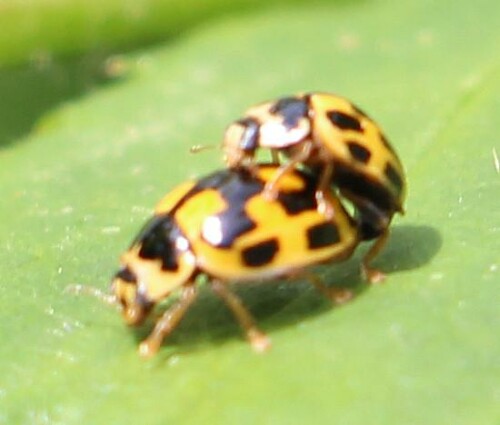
[
  {"x": 324, "y": 193},
  {"x": 168, "y": 322},
  {"x": 272, "y": 188}
]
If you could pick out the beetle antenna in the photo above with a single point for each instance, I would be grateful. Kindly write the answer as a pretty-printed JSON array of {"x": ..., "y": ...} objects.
[
  {"x": 200, "y": 148},
  {"x": 78, "y": 289}
]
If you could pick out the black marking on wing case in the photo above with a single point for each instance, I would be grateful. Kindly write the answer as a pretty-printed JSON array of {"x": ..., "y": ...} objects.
[
  {"x": 292, "y": 109},
  {"x": 260, "y": 254},
  {"x": 157, "y": 241},
  {"x": 344, "y": 121},
  {"x": 236, "y": 191},
  {"x": 322, "y": 235},
  {"x": 359, "y": 152},
  {"x": 375, "y": 204},
  {"x": 299, "y": 201}
]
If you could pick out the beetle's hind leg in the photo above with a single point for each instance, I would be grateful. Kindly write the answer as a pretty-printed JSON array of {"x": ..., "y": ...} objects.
[
  {"x": 275, "y": 158},
  {"x": 259, "y": 341},
  {"x": 336, "y": 295},
  {"x": 371, "y": 274}
]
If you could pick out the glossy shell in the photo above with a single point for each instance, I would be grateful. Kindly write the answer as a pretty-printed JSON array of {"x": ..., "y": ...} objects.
[
  {"x": 366, "y": 169},
  {"x": 223, "y": 226}
]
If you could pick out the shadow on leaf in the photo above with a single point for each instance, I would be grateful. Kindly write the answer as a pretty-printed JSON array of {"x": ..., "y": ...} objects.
[{"x": 284, "y": 303}]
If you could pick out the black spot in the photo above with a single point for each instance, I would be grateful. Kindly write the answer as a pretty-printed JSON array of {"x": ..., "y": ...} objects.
[
  {"x": 236, "y": 189},
  {"x": 344, "y": 121},
  {"x": 240, "y": 187},
  {"x": 250, "y": 138},
  {"x": 322, "y": 235},
  {"x": 234, "y": 222},
  {"x": 297, "y": 202},
  {"x": 157, "y": 241},
  {"x": 260, "y": 254},
  {"x": 374, "y": 203},
  {"x": 126, "y": 275},
  {"x": 394, "y": 177},
  {"x": 359, "y": 152},
  {"x": 364, "y": 188},
  {"x": 292, "y": 109}
]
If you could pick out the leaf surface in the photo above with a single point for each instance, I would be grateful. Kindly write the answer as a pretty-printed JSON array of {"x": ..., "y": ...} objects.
[{"x": 421, "y": 348}]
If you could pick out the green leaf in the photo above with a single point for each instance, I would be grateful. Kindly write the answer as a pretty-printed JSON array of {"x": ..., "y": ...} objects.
[
  {"x": 37, "y": 30},
  {"x": 422, "y": 348}
]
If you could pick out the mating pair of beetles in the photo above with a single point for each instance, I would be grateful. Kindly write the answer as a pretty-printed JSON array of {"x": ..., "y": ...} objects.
[{"x": 256, "y": 222}]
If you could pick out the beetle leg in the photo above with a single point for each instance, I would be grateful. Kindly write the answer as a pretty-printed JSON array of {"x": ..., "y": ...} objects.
[
  {"x": 336, "y": 295},
  {"x": 201, "y": 148},
  {"x": 371, "y": 274},
  {"x": 252, "y": 167},
  {"x": 258, "y": 339},
  {"x": 324, "y": 194},
  {"x": 271, "y": 189},
  {"x": 168, "y": 322},
  {"x": 275, "y": 159}
]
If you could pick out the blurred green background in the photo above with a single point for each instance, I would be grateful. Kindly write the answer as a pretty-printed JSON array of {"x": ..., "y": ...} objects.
[{"x": 99, "y": 104}]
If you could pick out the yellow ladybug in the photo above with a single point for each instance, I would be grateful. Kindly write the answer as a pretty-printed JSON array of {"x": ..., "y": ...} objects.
[
  {"x": 339, "y": 142},
  {"x": 221, "y": 226}
]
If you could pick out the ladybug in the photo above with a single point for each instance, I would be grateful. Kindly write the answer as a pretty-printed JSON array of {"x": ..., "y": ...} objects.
[
  {"x": 340, "y": 143},
  {"x": 222, "y": 227}
]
